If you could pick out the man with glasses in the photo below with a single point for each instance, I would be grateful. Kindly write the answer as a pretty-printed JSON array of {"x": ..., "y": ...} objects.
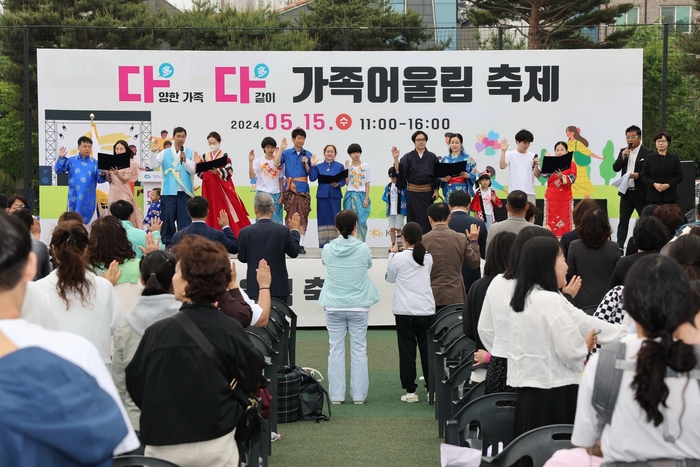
[
  {"x": 631, "y": 159},
  {"x": 416, "y": 172}
]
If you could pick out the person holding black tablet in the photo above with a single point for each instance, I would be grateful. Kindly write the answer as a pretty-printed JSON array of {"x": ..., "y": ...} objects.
[
  {"x": 328, "y": 173},
  {"x": 558, "y": 200},
  {"x": 119, "y": 186}
]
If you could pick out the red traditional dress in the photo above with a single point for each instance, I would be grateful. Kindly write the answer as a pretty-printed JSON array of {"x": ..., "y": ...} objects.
[
  {"x": 218, "y": 189},
  {"x": 559, "y": 201}
]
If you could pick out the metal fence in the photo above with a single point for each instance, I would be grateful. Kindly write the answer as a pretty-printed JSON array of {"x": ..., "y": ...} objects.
[{"x": 18, "y": 46}]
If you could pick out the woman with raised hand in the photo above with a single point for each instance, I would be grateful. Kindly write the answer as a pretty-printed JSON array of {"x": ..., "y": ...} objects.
[
  {"x": 347, "y": 294},
  {"x": 328, "y": 195},
  {"x": 656, "y": 414},
  {"x": 120, "y": 183}
]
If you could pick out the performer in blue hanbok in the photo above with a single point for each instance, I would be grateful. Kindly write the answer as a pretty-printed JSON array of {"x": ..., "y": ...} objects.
[
  {"x": 466, "y": 180},
  {"x": 328, "y": 195},
  {"x": 83, "y": 177}
]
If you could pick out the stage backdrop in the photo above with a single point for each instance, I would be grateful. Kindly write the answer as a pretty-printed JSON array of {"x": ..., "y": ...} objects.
[{"x": 377, "y": 99}]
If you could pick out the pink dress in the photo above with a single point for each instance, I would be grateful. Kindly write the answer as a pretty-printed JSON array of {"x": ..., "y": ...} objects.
[{"x": 119, "y": 191}]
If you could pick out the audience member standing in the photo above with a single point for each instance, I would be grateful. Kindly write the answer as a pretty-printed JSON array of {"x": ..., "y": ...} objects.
[
  {"x": 450, "y": 250},
  {"x": 546, "y": 349},
  {"x": 198, "y": 210},
  {"x": 524, "y": 165},
  {"x": 657, "y": 410},
  {"x": 269, "y": 241},
  {"x": 516, "y": 205},
  {"x": 461, "y": 221},
  {"x": 81, "y": 302},
  {"x": 188, "y": 412},
  {"x": 413, "y": 306},
  {"x": 593, "y": 259},
  {"x": 123, "y": 211},
  {"x": 631, "y": 161},
  {"x": 416, "y": 172},
  {"x": 346, "y": 296},
  {"x": 662, "y": 172}
]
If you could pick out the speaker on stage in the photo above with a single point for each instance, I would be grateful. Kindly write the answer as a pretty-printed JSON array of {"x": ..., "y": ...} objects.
[
  {"x": 686, "y": 190},
  {"x": 45, "y": 175}
]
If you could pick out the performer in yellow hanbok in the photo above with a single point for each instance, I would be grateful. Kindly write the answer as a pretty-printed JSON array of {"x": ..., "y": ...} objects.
[{"x": 582, "y": 157}]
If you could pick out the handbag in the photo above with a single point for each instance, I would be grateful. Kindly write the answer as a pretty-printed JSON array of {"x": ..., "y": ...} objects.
[{"x": 250, "y": 423}]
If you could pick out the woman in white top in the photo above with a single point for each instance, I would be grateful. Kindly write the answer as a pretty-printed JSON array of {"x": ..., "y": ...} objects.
[
  {"x": 81, "y": 302},
  {"x": 656, "y": 415},
  {"x": 546, "y": 349},
  {"x": 413, "y": 305}
]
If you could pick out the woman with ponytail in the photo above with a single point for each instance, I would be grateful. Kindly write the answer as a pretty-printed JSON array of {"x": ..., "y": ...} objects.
[
  {"x": 346, "y": 296},
  {"x": 81, "y": 302},
  {"x": 157, "y": 302},
  {"x": 657, "y": 413},
  {"x": 413, "y": 305}
]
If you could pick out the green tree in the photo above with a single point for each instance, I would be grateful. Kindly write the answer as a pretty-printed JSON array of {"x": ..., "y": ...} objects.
[
  {"x": 690, "y": 43},
  {"x": 682, "y": 108},
  {"x": 209, "y": 28},
  {"x": 553, "y": 24},
  {"x": 606, "y": 167},
  {"x": 364, "y": 25},
  {"x": 11, "y": 133}
]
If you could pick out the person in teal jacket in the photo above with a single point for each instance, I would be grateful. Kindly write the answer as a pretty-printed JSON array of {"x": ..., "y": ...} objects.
[{"x": 346, "y": 296}]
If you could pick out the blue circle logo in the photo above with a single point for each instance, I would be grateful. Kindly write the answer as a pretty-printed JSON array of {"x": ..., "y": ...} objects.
[
  {"x": 261, "y": 71},
  {"x": 166, "y": 70}
]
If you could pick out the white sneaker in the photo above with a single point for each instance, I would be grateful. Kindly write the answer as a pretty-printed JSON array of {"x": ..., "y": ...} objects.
[
  {"x": 336, "y": 402},
  {"x": 410, "y": 397}
]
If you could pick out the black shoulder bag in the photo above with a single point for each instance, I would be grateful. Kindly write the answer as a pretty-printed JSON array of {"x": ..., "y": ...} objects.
[{"x": 250, "y": 423}]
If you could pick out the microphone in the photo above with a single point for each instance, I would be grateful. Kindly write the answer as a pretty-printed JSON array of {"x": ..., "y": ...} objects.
[
  {"x": 534, "y": 162},
  {"x": 629, "y": 146}
]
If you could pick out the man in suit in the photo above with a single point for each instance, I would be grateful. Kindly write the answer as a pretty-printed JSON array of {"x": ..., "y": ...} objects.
[
  {"x": 516, "y": 205},
  {"x": 269, "y": 241},
  {"x": 450, "y": 250},
  {"x": 461, "y": 221},
  {"x": 631, "y": 159},
  {"x": 198, "y": 208}
]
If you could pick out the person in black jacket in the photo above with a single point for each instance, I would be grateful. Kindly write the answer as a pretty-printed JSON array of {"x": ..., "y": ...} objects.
[
  {"x": 198, "y": 209},
  {"x": 662, "y": 172},
  {"x": 631, "y": 159},
  {"x": 461, "y": 221},
  {"x": 188, "y": 411}
]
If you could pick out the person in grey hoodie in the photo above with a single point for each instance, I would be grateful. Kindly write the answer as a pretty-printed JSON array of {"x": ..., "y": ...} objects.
[{"x": 157, "y": 302}]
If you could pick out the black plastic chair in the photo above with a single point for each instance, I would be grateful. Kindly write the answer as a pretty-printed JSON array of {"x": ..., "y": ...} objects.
[
  {"x": 452, "y": 386},
  {"x": 538, "y": 444},
  {"x": 270, "y": 374},
  {"x": 442, "y": 321},
  {"x": 141, "y": 461},
  {"x": 444, "y": 360},
  {"x": 589, "y": 310},
  {"x": 473, "y": 394},
  {"x": 495, "y": 415},
  {"x": 289, "y": 356}
]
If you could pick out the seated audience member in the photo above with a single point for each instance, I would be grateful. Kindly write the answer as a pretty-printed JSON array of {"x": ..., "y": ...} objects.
[
  {"x": 188, "y": 412},
  {"x": 593, "y": 258},
  {"x": 496, "y": 262},
  {"x": 17, "y": 268},
  {"x": 450, "y": 250},
  {"x": 546, "y": 348},
  {"x": 531, "y": 212},
  {"x": 198, "y": 209},
  {"x": 671, "y": 216},
  {"x": 70, "y": 216},
  {"x": 123, "y": 211},
  {"x": 647, "y": 211},
  {"x": 650, "y": 235},
  {"x": 109, "y": 244},
  {"x": 583, "y": 206},
  {"x": 39, "y": 248},
  {"x": 156, "y": 302},
  {"x": 516, "y": 205},
  {"x": 81, "y": 302},
  {"x": 685, "y": 250},
  {"x": 655, "y": 417},
  {"x": 413, "y": 305}
]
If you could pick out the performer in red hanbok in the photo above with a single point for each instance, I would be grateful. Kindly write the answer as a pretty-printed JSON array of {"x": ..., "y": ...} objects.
[
  {"x": 558, "y": 200},
  {"x": 218, "y": 189}
]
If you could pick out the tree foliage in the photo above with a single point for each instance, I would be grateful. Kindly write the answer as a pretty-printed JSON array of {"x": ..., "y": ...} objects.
[
  {"x": 553, "y": 24},
  {"x": 364, "y": 25}
]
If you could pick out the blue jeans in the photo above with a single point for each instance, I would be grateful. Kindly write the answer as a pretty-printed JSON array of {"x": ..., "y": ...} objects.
[
  {"x": 488, "y": 219},
  {"x": 339, "y": 323}
]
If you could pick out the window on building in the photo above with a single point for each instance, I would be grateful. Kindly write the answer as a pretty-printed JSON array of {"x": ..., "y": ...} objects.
[
  {"x": 631, "y": 17},
  {"x": 676, "y": 15}
]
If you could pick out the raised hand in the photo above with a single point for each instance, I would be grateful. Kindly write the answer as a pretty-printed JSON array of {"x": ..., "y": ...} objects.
[
  {"x": 295, "y": 223},
  {"x": 347, "y": 164},
  {"x": 234, "y": 277},
  {"x": 151, "y": 244},
  {"x": 155, "y": 146},
  {"x": 156, "y": 225},
  {"x": 283, "y": 144},
  {"x": 113, "y": 273},
  {"x": 251, "y": 155},
  {"x": 473, "y": 232},
  {"x": 223, "y": 219},
  {"x": 572, "y": 287},
  {"x": 197, "y": 158},
  {"x": 263, "y": 274},
  {"x": 395, "y": 152},
  {"x": 314, "y": 159},
  {"x": 504, "y": 145},
  {"x": 62, "y": 151}
]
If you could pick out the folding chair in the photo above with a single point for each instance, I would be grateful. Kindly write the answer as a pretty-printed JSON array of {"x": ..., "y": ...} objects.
[
  {"x": 538, "y": 444},
  {"x": 442, "y": 321},
  {"x": 453, "y": 385},
  {"x": 289, "y": 356}
]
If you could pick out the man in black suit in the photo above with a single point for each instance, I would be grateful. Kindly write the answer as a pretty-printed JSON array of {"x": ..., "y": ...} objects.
[
  {"x": 269, "y": 241},
  {"x": 631, "y": 159},
  {"x": 461, "y": 221},
  {"x": 198, "y": 208}
]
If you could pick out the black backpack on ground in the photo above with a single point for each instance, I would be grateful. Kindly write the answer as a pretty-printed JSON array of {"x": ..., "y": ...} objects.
[{"x": 311, "y": 396}]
